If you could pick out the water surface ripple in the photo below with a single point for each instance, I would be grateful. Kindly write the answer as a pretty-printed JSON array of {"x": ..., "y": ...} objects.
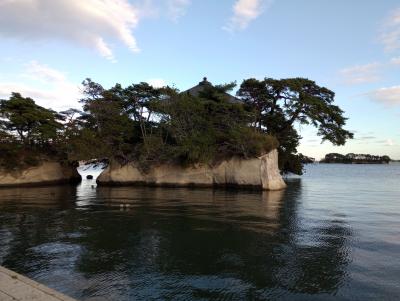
[{"x": 333, "y": 234}]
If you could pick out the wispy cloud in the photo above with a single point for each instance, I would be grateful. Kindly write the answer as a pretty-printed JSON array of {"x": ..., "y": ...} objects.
[
  {"x": 361, "y": 74},
  {"x": 244, "y": 12},
  {"x": 177, "y": 9},
  {"x": 366, "y": 138},
  {"x": 390, "y": 36},
  {"x": 395, "y": 61},
  {"x": 44, "y": 73},
  {"x": 91, "y": 23},
  {"x": 171, "y": 9},
  {"x": 389, "y": 142},
  {"x": 47, "y": 86},
  {"x": 389, "y": 96}
]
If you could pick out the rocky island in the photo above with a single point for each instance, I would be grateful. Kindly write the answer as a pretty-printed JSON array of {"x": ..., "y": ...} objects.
[{"x": 203, "y": 136}]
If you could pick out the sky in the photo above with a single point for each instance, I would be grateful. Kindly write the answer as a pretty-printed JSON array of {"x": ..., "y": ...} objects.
[{"x": 48, "y": 47}]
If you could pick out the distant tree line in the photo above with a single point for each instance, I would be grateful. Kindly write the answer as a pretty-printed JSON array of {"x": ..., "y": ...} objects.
[
  {"x": 153, "y": 125},
  {"x": 355, "y": 158}
]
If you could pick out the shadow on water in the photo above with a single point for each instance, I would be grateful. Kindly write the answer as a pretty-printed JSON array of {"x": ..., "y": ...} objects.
[{"x": 123, "y": 243}]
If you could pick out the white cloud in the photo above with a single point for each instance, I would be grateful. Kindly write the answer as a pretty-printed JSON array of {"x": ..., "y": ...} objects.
[
  {"x": 395, "y": 61},
  {"x": 361, "y": 74},
  {"x": 177, "y": 9},
  {"x": 89, "y": 23},
  {"x": 244, "y": 12},
  {"x": 157, "y": 82},
  {"x": 390, "y": 36},
  {"x": 147, "y": 9},
  {"x": 50, "y": 88},
  {"x": 389, "y": 142},
  {"x": 37, "y": 71},
  {"x": 104, "y": 49},
  {"x": 388, "y": 96}
]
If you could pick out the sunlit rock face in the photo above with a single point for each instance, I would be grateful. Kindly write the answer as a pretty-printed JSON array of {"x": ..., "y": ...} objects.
[
  {"x": 261, "y": 172},
  {"x": 47, "y": 172}
]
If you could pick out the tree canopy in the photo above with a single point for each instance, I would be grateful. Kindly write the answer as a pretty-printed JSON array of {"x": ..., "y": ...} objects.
[
  {"x": 153, "y": 125},
  {"x": 32, "y": 123},
  {"x": 27, "y": 130},
  {"x": 281, "y": 104}
]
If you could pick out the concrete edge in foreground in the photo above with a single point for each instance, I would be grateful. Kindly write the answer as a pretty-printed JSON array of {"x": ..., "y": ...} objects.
[{"x": 14, "y": 286}]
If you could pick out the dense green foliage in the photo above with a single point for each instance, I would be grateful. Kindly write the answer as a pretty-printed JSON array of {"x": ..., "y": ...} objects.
[
  {"x": 281, "y": 104},
  {"x": 27, "y": 131},
  {"x": 154, "y": 125},
  {"x": 137, "y": 123},
  {"x": 33, "y": 124},
  {"x": 355, "y": 159}
]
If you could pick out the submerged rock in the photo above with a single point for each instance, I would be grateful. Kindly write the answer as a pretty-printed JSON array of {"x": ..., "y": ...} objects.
[
  {"x": 261, "y": 172},
  {"x": 47, "y": 172},
  {"x": 89, "y": 177}
]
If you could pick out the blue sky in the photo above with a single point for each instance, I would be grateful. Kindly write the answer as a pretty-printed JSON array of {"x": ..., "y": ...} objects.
[{"x": 352, "y": 47}]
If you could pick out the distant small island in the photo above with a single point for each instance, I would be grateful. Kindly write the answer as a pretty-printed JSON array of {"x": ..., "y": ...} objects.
[{"x": 355, "y": 159}]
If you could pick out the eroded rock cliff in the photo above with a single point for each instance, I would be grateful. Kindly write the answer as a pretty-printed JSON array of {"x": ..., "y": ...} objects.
[
  {"x": 47, "y": 172},
  {"x": 261, "y": 172}
]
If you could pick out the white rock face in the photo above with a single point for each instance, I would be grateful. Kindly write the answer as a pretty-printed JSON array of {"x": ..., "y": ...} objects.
[
  {"x": 261, "y": 172},
  {"x": 47, "y": 172}
]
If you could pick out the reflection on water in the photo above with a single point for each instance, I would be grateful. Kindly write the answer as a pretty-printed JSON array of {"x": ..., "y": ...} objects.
[{"x": 152, "y": 243}]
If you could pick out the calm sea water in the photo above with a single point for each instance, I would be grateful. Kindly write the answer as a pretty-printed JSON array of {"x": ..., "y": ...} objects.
[{"x": 333, "y": 234}]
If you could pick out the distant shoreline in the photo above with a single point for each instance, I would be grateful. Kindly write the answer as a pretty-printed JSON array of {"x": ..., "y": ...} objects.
[
  {"x": 352, "y": 158},
  {"x": 356, "y": 163}
]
